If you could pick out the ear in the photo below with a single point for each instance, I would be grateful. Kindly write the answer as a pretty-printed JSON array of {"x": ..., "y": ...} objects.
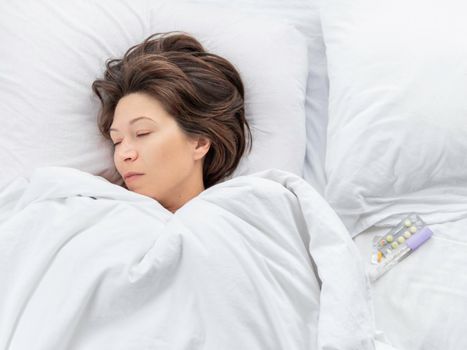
[{"x": 202, "y": 145}]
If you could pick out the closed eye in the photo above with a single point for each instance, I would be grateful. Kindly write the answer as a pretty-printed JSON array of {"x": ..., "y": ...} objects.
[{"x": 138, "y": 135}]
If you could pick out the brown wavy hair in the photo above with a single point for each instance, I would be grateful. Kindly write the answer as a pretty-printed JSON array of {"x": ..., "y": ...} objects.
[{"x": 201, "y": 90}]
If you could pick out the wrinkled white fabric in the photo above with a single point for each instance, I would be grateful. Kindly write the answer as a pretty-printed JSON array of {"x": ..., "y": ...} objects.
[{"x": 86, "y": 264}]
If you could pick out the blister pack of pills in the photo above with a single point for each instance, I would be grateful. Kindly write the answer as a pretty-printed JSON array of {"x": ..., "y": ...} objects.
[
  {"x": 397, "y": 244},
  {"x": 386, "y": 246}
]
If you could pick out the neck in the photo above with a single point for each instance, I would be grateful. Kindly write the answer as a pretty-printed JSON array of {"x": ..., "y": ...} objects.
[
  {"x": 185, "y": 193},
  {"x": 180, "y": 200}
]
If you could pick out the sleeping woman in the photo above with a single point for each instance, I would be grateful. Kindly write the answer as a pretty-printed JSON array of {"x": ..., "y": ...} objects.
[
  {"x": 175, "y": 114},
  {"x": 91, "y": 266}
]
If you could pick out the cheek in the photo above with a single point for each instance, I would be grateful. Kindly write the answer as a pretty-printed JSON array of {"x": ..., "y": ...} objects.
[
  {"x": 171, "y": 152},
  {"x": 116, "y": 161}
]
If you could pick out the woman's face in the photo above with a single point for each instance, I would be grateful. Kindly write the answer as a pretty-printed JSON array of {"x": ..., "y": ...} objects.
[{"x": 148, "y": 141}]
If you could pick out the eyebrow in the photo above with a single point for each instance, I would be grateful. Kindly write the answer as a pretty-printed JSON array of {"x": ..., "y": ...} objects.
[{"x": 133, "y": 121}]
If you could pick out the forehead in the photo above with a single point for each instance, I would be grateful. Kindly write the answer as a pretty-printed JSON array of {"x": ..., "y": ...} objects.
[{"x": 137, "y": 107}]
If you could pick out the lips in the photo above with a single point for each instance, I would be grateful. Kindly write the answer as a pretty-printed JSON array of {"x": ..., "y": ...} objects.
[{"x": 132, "y": 175}]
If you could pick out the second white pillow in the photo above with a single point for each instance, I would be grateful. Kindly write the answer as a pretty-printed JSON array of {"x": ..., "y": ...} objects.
[{"x": 397, "y": 134}]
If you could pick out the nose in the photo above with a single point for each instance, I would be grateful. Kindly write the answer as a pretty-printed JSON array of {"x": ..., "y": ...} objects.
[{"x": 127, "y": 152}]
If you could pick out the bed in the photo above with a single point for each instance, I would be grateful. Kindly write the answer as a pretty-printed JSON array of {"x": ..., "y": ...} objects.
[{"x": 358, "y": 118}]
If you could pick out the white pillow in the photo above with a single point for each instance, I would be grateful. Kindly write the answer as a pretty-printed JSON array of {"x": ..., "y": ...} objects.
[
  {"x": 397, "y": 134},
  {"x": 52, "y": 51},
  {"x": 303, "y": 15}
]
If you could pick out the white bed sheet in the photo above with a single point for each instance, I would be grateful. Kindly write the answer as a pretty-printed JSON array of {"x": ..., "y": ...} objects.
[{"x": 421, "y": 304}]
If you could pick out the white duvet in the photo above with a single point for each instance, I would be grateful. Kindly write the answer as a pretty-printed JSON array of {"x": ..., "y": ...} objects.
[{"x": 86, "y": 264}]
